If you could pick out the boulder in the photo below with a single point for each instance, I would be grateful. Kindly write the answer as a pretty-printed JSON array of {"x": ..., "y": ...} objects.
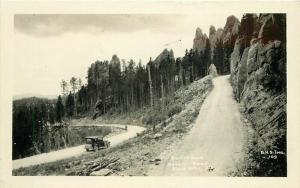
[
  {"x": 102, "y": 172},
  {"x": 157, "y": 135},
  {"x": 212, "y": 70}
]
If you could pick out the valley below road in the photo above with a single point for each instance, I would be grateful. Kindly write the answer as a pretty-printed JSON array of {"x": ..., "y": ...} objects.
[
  {"x": 214, "y": 144},
  {"x": 131, "y": 132}
]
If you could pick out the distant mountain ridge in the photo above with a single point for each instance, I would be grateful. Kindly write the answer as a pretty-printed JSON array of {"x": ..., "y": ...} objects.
[{"x": 30, "y": 95}]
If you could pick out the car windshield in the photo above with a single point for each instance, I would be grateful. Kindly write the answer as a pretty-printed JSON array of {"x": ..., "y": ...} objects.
[{"x": 89, "y": 141}]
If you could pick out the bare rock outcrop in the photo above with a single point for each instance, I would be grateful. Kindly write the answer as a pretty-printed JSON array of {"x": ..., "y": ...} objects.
[
  {"x": 271, "y": 27},
  {"x": 231, "y": 31},
  {"x": 212, "y": 32},
  {"x": 214, "y": 37},
  {"x": 258, "y": 76},
  {"x": 102, "y": 172},
  {"x": 163, "y": 55},
  {"x": 264, "y": 56},
  {"x": 218, "y": 35},
  {"x": 235, "y": 58},
  {"x": 242, "y": 74},
  {"x": 200, "y": 41}
]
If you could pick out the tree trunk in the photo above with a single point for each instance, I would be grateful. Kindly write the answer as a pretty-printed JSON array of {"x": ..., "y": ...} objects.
[
  {"x": 162, "y": 92},
  {"x": 181, "y": 75},
  {"x": 75, "y": 103},
  {"x": 150, "y": 86},
  {"x": 132, "y": 101},
  {"x": 193, "y": 76},
  {"x": 127, "y": 102}
]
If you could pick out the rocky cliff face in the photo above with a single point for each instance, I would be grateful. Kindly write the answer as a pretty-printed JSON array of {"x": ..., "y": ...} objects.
[
  {"x": 220, "y": 43},
  {"x": 230, "y": 33},
  {"x": 214, "y": 36},
  {"x": 263, "y": 56},
  {"x": 199, "y": 41},
  {"x": 163, "y": 55},
  {"x": 212, "y": 32},
  {"x": 258, "y": 76}
]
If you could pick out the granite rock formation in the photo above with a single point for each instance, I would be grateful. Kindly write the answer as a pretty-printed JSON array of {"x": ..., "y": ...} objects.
[
  {"x": 199, "y": 41},
  {"x": 258, "y": 76}
]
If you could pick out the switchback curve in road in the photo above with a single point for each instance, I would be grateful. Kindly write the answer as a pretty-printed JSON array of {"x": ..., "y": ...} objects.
[{"x": 77, "y": 150}]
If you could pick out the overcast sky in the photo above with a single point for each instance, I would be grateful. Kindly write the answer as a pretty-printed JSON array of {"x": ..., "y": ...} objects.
[{"x": 49, "y": 48}]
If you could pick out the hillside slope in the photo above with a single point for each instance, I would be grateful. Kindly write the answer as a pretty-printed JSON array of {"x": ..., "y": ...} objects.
[{"x": 215, "y": 142}]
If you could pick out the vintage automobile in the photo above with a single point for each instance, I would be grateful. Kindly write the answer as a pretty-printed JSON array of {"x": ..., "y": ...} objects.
[{"x": 93, "y": 143}]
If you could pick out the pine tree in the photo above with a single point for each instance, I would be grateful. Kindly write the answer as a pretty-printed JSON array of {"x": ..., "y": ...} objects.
[
  {"x": 115, "y": 80},
  {"x": 218, "y": 57},
  {"x": 74, "y": 87},
  {"x": 70, "y": 105},
  {"x": 64, "y": 86},
  {"x": 150, "y": 83},
  {"x": 207, "y": 56},
  {"x": 59, "y": 108}
]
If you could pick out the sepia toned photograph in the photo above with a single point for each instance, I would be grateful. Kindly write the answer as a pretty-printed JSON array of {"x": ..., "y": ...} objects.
[{"x": 150, "y": 95}]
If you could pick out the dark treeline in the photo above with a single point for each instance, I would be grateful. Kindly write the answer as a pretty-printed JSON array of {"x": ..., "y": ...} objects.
[
  {"x": 119, "y": 87},
  {"x": 29, "y": 119},
  {"x": 39, "y": 127}
]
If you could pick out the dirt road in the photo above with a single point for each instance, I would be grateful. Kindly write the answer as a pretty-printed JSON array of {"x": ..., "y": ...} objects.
[
  {"x": 75, "y": 151},
  {"x": 215, "y": 141}
]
